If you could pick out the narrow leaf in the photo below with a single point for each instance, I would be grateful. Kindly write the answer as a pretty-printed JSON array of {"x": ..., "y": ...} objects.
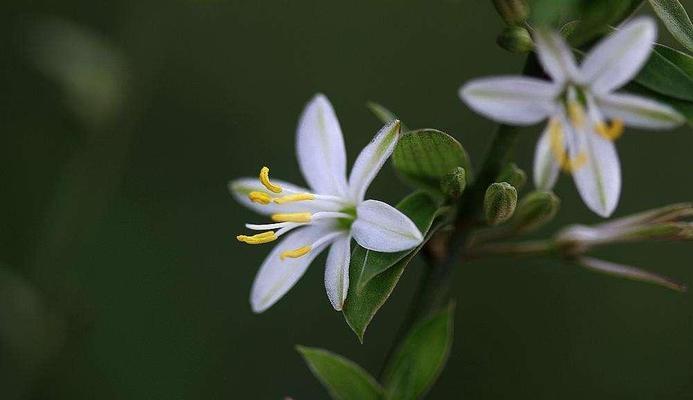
[
  {"x": 675, "y": 18},
  {"x": 420, "y": 359},
  {"x": 668, "y": 72},
  {"x": 384, "y": 115},
  {"x": 374, "y": 275},
  {"x": 342, "y": 378},
  {"x": 423, "y": 157},
  {"x": 629, "y": 272}
]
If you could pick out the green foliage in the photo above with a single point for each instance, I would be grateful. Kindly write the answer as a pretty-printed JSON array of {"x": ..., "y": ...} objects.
[
  {"x": 598, "y": 16},
  {"x": 668, "y": 72},
  {"x": 421, "y": 357},
  {"x": 342, "y": 378},
  {"x": 423, "y": 157},
  {"x": 677, "y": 21},
  {"x": 374, "y": 275}
]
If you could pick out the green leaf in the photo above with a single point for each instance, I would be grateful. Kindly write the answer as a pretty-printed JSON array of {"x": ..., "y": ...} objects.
[
  {"x": 423, "y": 157},
  {"x": 384, "y": 115},
  {"x": 596, "y": 18},
  {"x": 342, "y": 378},
  {"x": 421, "y": 357},
  {"x": 668, "y": 72},
  {"x": 675, "y": 18},
  {"x": 374, "y": 275}
]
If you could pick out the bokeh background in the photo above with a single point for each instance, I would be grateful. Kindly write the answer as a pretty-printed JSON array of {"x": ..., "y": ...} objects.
[{"x": 120, "y": 277}]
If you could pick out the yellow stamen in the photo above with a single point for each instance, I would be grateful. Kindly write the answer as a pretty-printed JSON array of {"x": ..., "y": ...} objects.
[
  {"x": 567, "y": 163},
  {"x": 260, "y": 238},
  {"x": 576, "y": 114},
  {"x": 292, "y": 217},
  {"x": 612, "y": 132},
  {"x": 295, "y": 253},
  {"x": 264, "y": 179},
  {"x": 294, "y": 197},
  {"x": 260, "y": 197}
]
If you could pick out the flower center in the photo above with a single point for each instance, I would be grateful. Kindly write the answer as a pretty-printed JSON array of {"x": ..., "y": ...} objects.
[
  {"x": 584, "y": 118},
  {"x": 285, "y": 222}
]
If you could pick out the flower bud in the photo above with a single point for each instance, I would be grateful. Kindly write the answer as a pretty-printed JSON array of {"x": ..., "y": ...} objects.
[
  {"x": 453, "y": 184},
  {"x": 515, "y": 39},
  {"x": 499, "y": 202},
  {"x": 513, "y": 175},
  {"x": 535, "y": 210},
  {"x": 513, "y": 12}
]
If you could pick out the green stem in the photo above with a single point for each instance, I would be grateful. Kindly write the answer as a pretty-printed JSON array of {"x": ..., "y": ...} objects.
[{"x": 435, "y": 287}]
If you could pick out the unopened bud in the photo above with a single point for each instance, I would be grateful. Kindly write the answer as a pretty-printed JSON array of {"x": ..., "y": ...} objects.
[
  {"x": 499, "y": 202},
  {"x": 516, "y": 40},
  {"x": 454, "y": 183},
  {"x": 513, "y": 175},
  {"x": 535, "y": 210},
  {"x": 513, "y": 12}
]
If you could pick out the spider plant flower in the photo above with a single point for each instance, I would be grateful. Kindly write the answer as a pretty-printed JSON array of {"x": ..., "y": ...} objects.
[
  {"x": 330, "y": 214},
  {"x": 585, "y": 115}
]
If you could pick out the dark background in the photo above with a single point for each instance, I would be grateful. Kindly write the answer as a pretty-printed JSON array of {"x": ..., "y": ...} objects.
[{"x": 120, "y": 277}]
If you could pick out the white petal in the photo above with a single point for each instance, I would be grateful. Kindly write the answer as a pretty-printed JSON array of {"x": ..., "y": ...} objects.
[
  {"x": 639, "y": 111},
  {"x": 599, "y": 180},
  {"x": 240, "y": 188},
  {"x": 617, "y": 59},
  {"x": 381, "y": 227},
  {"x": 277, "y": 276},
  {"x": 513, "y": 100},
  {"x": 372, "y": 159},
  {"x": 337, "y": 271},
  {"x": 555, "y": 56},
  {"x": 546, "y": 168},
  {"x": 320, "y": 148}
]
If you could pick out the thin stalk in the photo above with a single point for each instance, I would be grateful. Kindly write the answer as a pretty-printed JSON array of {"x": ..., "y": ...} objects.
[{"x": 434, "y": 291}]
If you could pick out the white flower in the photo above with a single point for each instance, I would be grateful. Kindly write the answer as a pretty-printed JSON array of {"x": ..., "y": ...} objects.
[
  {"x": 330, "y": 214},
  {"x": 578, "y": 102}
]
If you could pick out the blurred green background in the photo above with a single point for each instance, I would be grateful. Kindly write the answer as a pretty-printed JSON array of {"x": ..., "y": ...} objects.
[{"x": 120, "y": 277}]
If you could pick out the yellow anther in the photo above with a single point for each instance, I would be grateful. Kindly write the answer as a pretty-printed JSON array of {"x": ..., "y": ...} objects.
[
  {"x": 264, "y": 179},
  {"x": 294, "y": 197},
  {"x": 260, "y": 238},
  {"x": 295, "y": 253},
  {"x": 612, "y": 132},
  {"x": 292, "y": 217},
  {"x": 260, "y": 197},
  {"x": 576, "y": 114},
  {"x": 568, "y": 164}
]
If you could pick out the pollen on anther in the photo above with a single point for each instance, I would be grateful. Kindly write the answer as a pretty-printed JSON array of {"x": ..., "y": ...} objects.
[
  {"x": 260, "y": 238},
  {"x": 610, "y": 132},
  {"x": 292, "y": 217},
  {"x": 260, "y": 197},
  {"x": 264, "y": 179},
  {"x": 295, "y": 253},
  {"x": 294, "y": 197}
]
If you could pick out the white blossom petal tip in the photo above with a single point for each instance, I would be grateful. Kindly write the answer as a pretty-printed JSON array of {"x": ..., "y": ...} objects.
[
  {"x": 381, "y": 227},
  {"x": 372, "y": 159}
]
